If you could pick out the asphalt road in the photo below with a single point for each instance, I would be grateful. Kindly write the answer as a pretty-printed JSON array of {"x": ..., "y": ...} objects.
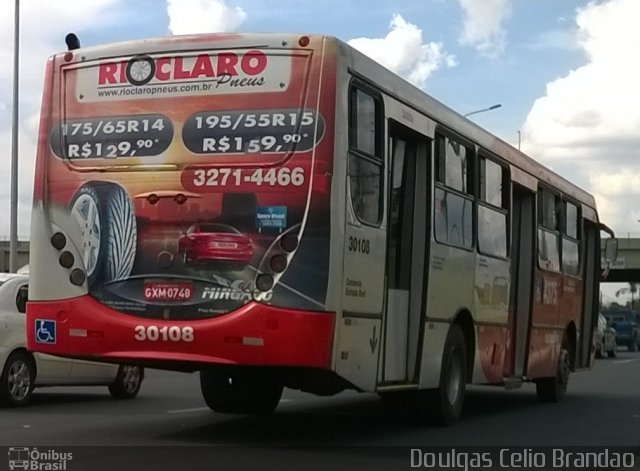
[{"x": 601, "y": 409}]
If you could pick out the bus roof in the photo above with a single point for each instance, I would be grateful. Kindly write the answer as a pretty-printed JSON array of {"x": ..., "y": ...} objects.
[{"x": 525, "y": 170}]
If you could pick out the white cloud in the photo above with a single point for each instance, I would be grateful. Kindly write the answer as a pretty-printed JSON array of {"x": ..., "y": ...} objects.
[
  {"x": 43, "y": 26},
  {"x": 591, "y": 117},
  {"x": 203, "y": 16},
  {"x": 402, "y": 50},
  {"x": 482, "y": 26}
]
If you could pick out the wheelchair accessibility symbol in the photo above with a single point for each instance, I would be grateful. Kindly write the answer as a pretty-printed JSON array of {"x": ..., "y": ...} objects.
[{"x": 45, "y": 331}]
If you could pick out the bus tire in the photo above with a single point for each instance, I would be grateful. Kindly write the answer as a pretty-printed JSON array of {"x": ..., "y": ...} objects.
[
  {"x": 127, "y": 383},
  {"x": 238, "y": 393},
  {"x": 443, "y": 405},
  {"x": 17, "y": 380},
  {"x": 105, "y": 208},
  {"x": 553, "y": 389}
]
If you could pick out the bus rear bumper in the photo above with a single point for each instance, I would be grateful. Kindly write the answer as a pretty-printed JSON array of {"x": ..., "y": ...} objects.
[{"x": 255, "y": 334}]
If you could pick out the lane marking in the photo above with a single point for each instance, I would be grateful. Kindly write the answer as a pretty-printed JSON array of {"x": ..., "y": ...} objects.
[
  {"x": 202, "y": 409},
  {"x": 620, "y": 362},
  {"x": 186, "y": 411}
]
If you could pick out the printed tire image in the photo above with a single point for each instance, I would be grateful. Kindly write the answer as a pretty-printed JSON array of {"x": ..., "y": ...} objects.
[
  {"x": 240, "y": 393},
  {"x": 108, "y": 227},
  {"x": 140, "y": 70},
  {"x": 127, "y": 383},
  {"x": 17, "y": 380}
]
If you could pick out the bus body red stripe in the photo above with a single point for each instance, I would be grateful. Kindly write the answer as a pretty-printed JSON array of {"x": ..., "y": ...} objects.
[{"x": 255, "y": 334}]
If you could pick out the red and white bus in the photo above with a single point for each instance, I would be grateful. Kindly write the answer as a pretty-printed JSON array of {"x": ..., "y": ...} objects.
[{"x": 281, "y": 211}]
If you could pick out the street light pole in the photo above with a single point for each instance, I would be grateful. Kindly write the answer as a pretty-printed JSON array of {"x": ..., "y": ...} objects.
[
  {"x": 13, "y": 230},
  {"x": 492, "y": 107}
]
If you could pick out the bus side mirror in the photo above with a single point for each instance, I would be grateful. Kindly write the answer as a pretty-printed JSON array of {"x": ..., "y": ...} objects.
[{"x": 611, "y": 251}]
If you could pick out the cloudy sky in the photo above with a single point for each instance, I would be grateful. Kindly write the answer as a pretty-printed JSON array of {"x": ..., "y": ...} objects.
[{"x": 564, "y": 71}]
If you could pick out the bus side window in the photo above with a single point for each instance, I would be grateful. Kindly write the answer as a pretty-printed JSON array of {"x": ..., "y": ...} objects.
[
  {"x": 548, "y": 230},
  {"x": 365, "y": 155},
  {"x": 493, "y": 209},
  {"x": 571, "y": 240},
  {"x": 453, "y": 223},
  {"x": 440, "y": 210}
]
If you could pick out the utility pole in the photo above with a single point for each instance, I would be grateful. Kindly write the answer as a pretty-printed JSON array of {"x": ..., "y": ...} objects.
[{"x": 13, "y": 230}]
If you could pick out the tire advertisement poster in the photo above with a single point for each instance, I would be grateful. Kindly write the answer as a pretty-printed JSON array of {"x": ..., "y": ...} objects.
[{"x": 199, "y": 180}]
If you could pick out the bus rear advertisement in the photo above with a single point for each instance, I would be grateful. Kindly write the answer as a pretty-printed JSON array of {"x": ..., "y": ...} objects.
[{"x": 279, "y": 210}]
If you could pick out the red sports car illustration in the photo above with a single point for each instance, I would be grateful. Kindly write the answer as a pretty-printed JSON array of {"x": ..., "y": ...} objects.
[{"x": 212, "y": 242}]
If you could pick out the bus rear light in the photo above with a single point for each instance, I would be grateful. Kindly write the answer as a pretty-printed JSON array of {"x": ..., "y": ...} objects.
[
  {"x": 304, "y": 41},
  {"x": 77, "y": 277},
  {"x": 289, "y": 242},
  {"x": 66, "y": 259},
  {"x": 58, "y": 240},
  {"x": 250, "y": 341},
  {"x": 180, "y": 199},
  {"x": 278, "y": 263},
  {"x": 253, "y": 341},
  {"x": 153, "y": 198},
  {"x": 264, "y": 282}
]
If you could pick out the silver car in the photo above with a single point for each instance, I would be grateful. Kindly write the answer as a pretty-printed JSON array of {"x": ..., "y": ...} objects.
[
  {"x": 23, "y": 370},
  {"x": 605, "y": 339}
]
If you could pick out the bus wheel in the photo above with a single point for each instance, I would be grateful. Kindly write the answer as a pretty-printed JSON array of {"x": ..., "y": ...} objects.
[
  {"x": 553, "y": 389},
  {"x": 443, "y": 405},
  {"x": 252, "y": 393},
  {"x": 108, "y": 228},
  {"x": 17, "y": 380},
  {"x": 127, "y": 383}
]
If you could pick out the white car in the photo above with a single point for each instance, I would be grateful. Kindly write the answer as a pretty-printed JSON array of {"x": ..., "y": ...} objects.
[
  {"x": 605, "y": 338},
  {"x": 23, "y": 370}
]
